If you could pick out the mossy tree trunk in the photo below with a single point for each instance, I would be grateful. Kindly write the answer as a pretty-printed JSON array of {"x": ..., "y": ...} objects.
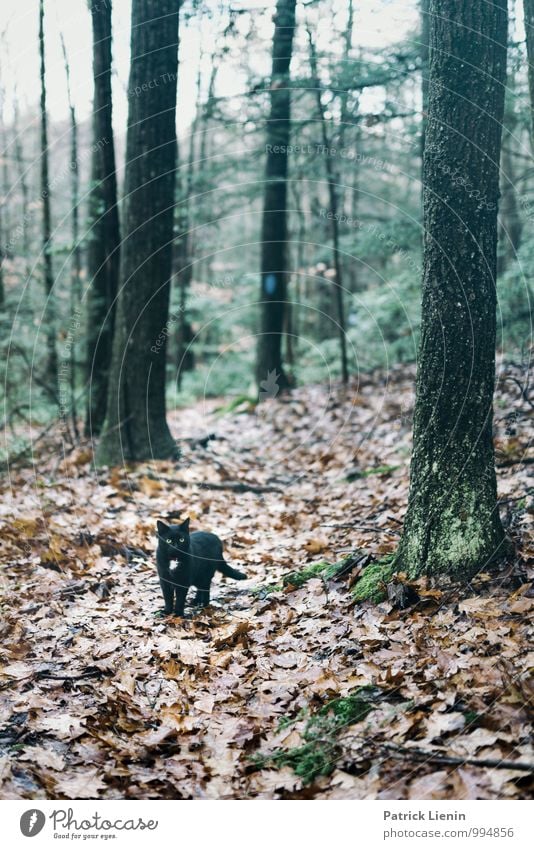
[
  {"x": 452, "y": 525},
  {"x": 103, "y": 255},
  {"x": 136, "y": 426},
  {"x": 274, "y": 253}
]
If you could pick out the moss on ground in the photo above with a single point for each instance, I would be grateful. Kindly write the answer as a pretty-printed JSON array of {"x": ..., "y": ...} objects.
[
  {"x": 366, "y": 473},
  {"x": 318, "y": 754},
  {"x": 371, "y": 586},
  {"x": 298, "y": 577}
]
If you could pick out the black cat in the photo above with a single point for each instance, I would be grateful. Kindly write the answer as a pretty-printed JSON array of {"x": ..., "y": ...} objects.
[{"x": 185, "y": 560}]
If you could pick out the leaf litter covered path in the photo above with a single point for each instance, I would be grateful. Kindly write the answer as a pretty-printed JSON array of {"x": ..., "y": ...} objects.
[{"x": 284, "y": 688}]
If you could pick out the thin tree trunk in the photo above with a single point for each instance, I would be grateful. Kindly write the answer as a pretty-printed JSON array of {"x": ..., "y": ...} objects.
[
  {"x": 269, "y": 366},
  {"x": 136, "y": 426},
  {"x": 103, "y": 255},
  {"x": 204, "y": 177},
  {"x": 3, "y": 198},
  {"x": 50, "y": 312},
  {"x": 511, "y": 228},
  {"x": 75, "y": 289},
  {"x": 21, "y": 170},
  {"x": 424, "y": 50},
  {"x": 334, "y": 217},
  {"x": 182, "y": 263},
  {"x": 184, "y": 245},
  {"x": 297, "y": 191}
]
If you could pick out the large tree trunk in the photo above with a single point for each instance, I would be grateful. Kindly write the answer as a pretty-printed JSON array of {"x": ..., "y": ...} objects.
[
  {"x": 103, "y": 256},
  {"x": 452, "y": 526},
  {"x": 135, "y": 426},
  {"x": 50, "y": 312},
  {"x": 274, "y": 270}
]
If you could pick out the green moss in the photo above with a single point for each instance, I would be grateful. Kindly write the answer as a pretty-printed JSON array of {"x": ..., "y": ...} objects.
[
  {"x": 350, "y": 709},
  {"x": 301, "y": 576},
  {"x": 472, "y": 718},
  {"x": 246, "y": 401},
  {"x": 371, "y": 584},
  {"x": 318, "y": 754},
  {"x": 366, "y": 473},
  {"x": 298, "y": 577}
]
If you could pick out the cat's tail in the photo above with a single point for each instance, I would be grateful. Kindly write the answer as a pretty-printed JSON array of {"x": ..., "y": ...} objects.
[{"x": 225, "y": 569}]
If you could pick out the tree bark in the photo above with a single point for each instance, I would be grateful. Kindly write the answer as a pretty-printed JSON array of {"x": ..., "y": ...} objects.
[
  {"x": 334, "y": 219},
  {"x": 528, "y": 9},
  {"x": 136, "y": 426},
  {"x": 103, "y": 254},
  {"x": 452, "y": 525},
  {"x": 4, "y": 228},
  {"x": 22, "y": 180},
  {"x": 50, "y": 312},
  {"x": 274, "y": 224},
  {"x": 76, "y": 254},
  {"x": 424, "y": 51}
]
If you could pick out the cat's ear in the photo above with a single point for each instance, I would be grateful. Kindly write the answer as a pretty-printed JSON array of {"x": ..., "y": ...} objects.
[
  {"x": 185, "y": 524},
  {"x": 162, "y": 528}
]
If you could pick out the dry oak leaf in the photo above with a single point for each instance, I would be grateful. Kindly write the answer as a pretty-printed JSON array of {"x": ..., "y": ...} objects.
[
  {"x": 46, "y": 758},
  {"x": 125, "y": 681},
  {"x": 204, "y": 703},
  {"x": 155, "y": 736},
  {"x": 192, "y": 652},
  {"x": 315, "y": 546},
  {"x": 63, "y": 726},
  {"x": 17, "y": 670},
  {"x": 439, "y": 724},
  {"x": 431, "y": 786},
  {"x": 85, "y": 784},
  {"x": 232, "y": 634}
]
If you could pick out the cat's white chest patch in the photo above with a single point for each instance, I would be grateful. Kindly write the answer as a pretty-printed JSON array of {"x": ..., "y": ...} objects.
[{"x": 174, "y": 564}]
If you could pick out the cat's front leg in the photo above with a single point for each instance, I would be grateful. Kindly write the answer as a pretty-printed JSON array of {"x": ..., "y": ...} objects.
[
  {"x": 168, "y": 594},
  {"x": 179, "y": 600},
  {"x": 204, "y": 597}
]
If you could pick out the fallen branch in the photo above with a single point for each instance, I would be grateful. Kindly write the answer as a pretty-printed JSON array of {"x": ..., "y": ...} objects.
[
  {"x": 234, "y": 486},
  {"x": 454, "y": 760},
  {"x": 524, "y": 461}
]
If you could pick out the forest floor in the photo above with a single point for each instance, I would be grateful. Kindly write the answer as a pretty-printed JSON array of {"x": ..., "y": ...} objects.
[{"x": 285, "y": 687}]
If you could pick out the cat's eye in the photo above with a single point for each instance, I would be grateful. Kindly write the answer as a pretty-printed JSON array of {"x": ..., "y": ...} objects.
[
  {"x": 169, "y": 541},
  {"x": 182, "y": 539}
]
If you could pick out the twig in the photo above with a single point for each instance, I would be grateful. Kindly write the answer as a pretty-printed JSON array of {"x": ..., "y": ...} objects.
[
  {"x": 453, "y": 760},
  {"x": 524, "y": 389},
  {"x": 235, "y": 486},
  {"x": 375, "y": 530},
  {"x": 525, "y": 461}
]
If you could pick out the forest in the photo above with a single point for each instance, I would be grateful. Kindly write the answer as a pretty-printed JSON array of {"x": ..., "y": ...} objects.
[{"x": 266, "y": 332}]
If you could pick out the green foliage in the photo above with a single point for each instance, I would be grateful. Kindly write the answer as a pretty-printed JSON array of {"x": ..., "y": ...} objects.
[{"x": 514, "y": 301}]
